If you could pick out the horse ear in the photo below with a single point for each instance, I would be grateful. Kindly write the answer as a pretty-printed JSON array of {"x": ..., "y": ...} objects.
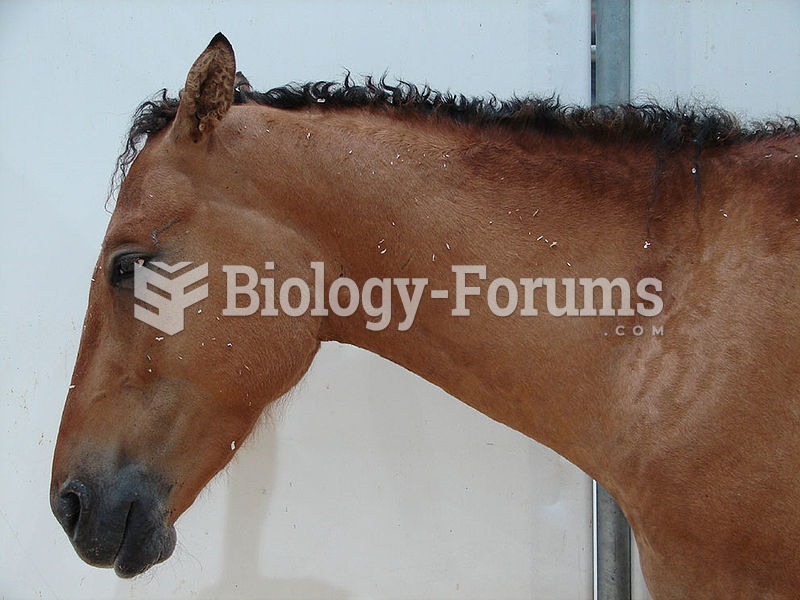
[{"x": 208, "y": 93}]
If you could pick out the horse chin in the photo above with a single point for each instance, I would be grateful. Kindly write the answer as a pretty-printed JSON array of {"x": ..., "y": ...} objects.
[{"x": 117, "y": 521}]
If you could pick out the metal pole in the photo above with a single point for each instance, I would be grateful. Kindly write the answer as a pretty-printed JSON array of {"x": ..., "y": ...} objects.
[
  {"x": 613, "y": 55},
  {"x": 613, "y": 549},
  {"x": 613, "y": 86}
]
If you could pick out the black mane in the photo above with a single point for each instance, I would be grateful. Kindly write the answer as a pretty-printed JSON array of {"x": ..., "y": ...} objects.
[{"x": 668, "y": 128}]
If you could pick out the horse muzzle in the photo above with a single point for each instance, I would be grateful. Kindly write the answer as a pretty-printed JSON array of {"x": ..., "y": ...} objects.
[{"x": 115, "y": 520}]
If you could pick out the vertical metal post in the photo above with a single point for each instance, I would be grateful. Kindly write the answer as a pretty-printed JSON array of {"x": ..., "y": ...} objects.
[
  {"x": 613, "y": 548},
  {"x": 612, "y": 85},
  {"x": 613, "y": 55}
]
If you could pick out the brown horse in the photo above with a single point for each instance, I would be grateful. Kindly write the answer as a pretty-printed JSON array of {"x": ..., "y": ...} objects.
[{"x": 691, "y": 420}]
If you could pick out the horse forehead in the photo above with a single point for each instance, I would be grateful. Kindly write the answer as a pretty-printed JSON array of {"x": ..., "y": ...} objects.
[
  {"x": 151, "y": 180},
  {"x": 149, "y": 198}
]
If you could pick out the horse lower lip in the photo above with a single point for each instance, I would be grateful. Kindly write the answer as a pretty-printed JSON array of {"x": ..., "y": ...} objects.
[
  {"x": 137, "y": 554},
  {"x": 134, "y": 559}
]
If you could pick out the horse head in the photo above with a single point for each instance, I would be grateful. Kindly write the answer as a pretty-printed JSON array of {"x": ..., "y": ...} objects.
[{"x": 152, "y": 415}]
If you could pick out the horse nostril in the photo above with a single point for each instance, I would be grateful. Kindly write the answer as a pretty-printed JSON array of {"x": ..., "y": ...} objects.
[
  {"x": 70, "y": 509},
  {"x": 71, "y": 501}
]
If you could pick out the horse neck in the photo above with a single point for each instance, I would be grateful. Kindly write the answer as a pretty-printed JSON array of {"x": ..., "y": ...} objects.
[{"x": 387, "y": 197}]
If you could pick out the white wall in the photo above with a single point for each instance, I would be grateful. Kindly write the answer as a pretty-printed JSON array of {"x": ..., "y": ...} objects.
[
  {"x": 372, "y": 483},
  {"x": 743, "y": 55}
]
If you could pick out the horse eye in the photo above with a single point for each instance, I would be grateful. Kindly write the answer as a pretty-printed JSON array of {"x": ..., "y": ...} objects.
[{"x": 122, "y": 269}]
